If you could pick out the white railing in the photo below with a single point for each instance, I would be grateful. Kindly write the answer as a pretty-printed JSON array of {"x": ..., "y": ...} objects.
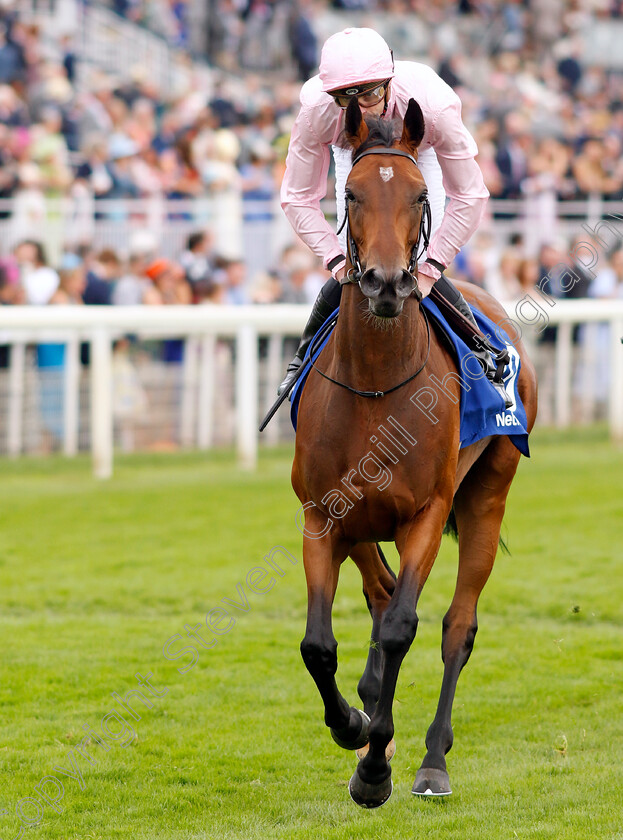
[
  {"x": 100, "y": 326},
  {"x": 77, "y": 218}
]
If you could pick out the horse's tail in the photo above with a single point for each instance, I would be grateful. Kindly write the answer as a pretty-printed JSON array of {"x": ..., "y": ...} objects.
[
  {"x": 385, "y": 563},
  {"x": 451, "y": 529}
]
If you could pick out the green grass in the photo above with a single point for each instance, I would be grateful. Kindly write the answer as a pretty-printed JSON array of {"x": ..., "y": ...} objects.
[{"x": 95, "y": 577}]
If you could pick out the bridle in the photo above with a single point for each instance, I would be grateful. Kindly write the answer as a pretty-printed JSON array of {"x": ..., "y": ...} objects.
[{"x": 356, "y": 271}]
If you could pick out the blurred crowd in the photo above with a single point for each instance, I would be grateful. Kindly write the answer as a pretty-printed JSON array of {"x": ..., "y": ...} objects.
[
  {"x": 549, "y": 126},
  {"x": 198, "y": 276}
]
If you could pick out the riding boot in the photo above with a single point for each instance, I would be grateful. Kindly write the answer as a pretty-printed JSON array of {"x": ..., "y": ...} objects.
[
  {"x": 327, "y": 301},
  {"x": 493, "y": 361}
]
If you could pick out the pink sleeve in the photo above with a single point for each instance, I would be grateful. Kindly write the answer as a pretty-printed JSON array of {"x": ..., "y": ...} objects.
[
  {"x": 463, "y": 182},
  {"x": 304, "y": 185}
]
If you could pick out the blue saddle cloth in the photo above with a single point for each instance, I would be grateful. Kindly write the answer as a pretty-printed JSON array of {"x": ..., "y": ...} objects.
[{"x": 482, "y": 409}]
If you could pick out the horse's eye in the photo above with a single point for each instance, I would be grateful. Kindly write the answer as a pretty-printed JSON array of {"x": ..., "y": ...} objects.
[
  {"x": 422, "y": 198},
  {"x": 350, "y": 195}
]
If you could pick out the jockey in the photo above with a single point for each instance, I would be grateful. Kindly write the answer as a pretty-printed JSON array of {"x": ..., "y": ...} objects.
[{"x": 358, "y": 62}]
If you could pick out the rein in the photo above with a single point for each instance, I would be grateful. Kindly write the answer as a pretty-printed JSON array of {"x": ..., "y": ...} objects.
[{"x": 356, "y": 271}]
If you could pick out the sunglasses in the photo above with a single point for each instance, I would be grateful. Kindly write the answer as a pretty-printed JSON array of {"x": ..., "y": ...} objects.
[{"x": 366, "y": 95}]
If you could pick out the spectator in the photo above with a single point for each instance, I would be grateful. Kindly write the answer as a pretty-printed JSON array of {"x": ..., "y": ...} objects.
[
  {"x": 267, "y": 289},
  {"x": 503, "y": 283},
  {"x": 49, "y": 150},
  {"x": 38, "y": 280},
  {"x": 233, "y": 274},
  {"x": 169, "y": 284},
  {"x": 527, "y": 275},
  {"x": 72, "y": 284},
  {"x": 12, "y": 61},
  {"x": 569, "y": 67},
  {"x": 303, "y": 41},
  {"x": 101, "y": 278},
  {"x": 223, "y": 182},
  {"x": 29, "y": 205},
  {"x": 258, "y": 193},
  {"x": 51, "y": 357},
  {"x": 209, "y": 292},
  {"x": 196, "y": 260},
  {"x": 512, "y": 154},
  {"x": 181, "y": 178},
  {"x": 13, "y": 109},
  {"x": 141, "y": 125},
  {"x": 94, "y": 172},
  {"x": 608, "y": 283},
  {"x": 121, "y": 151},
  {"x": 302, "y": 276},
  {"x": 11, "y": 292},
  {"x": 169, "y": 288},
  {"x": 132, "y": 286},
  {"x": 591, "y": 174},
  {"x": 70, "y": 57}
]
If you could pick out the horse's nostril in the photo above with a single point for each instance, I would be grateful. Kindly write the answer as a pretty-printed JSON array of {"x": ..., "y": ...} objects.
[
  {"x": 371, "y": 284},
  {"x": 405, "y": 284}
]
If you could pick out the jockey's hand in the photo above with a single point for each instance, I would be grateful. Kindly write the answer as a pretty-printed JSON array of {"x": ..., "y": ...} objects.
[{"x": 337, "y": 267}]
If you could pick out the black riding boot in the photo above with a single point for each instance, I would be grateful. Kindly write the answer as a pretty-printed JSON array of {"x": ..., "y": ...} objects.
[
  {"x": 327, "y": 301},
  {"x": 492, "y": 361}
]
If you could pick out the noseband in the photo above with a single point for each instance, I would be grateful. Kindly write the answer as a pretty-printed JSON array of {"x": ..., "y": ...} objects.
[{"x": 356, "y": 271}]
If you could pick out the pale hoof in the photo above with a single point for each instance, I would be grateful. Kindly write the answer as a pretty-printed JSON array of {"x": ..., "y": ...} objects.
[
  {"x": 343, "y": 737},
  {"x": 431, "y": 782},
  {"x": 369, "y": 796},
  {"x": 390, "y": 751}
]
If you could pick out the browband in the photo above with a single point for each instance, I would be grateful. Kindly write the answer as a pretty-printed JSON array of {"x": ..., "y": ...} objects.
[{"x": 385, "y": 152}]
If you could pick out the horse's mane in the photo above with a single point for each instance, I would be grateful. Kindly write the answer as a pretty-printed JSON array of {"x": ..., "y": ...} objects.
[{"x": 382, "y": 133}]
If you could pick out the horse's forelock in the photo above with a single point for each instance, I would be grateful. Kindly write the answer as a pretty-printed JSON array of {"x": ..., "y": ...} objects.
[{"x": 381, "y": 133}]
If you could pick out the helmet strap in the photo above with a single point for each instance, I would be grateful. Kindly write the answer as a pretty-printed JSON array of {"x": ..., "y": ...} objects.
[{"x": 386, "y": 101}]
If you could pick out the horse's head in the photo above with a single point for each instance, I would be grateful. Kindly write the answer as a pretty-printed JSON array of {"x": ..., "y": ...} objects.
[{"x": 386, "y": 204}]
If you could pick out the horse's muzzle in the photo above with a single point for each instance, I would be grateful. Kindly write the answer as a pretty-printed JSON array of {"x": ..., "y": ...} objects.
[{"x": 387, "y": 291}]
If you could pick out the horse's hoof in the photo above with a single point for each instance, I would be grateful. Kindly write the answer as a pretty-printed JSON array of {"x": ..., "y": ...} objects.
[
  {"x": 369, "y": 796},
  {"x": 390, "y": 751},
  {"x": 431, "y": 782},
  {"x": 355, "y": 735}
]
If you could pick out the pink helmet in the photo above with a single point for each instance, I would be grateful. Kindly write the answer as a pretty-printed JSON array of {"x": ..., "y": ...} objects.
[{"x": 352, "y": 56}]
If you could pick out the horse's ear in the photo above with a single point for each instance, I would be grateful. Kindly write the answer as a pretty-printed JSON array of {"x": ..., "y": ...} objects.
[
  {"x": 413, "y": 128},
  {"x": 355, "y": 126}
]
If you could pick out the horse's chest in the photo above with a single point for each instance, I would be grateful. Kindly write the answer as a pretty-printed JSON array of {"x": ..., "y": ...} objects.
[{"x": 369, "y": 491}]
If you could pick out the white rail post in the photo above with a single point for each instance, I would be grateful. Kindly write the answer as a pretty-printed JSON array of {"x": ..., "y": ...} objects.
[
  {"x": 562, "y": 380},
  {"x": 101, "y": 403},
  {"x": 71, "y": 398},
  {"x": 589, "y": 363},
  {"x": 189, "y": 384},
  {"x": 616, "y": 384},
  {"x": 207, "y": 380},
  {"x": 16, "y": 398},
  {"x": 246, "y": 396}
]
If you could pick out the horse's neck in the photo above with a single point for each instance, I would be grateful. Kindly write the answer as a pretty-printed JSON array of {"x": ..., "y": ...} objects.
[{"x": 369, "y": 357}]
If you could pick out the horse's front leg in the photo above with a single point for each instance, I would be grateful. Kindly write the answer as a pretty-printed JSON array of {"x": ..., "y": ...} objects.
[
  {"x": 322, "y": 558},
  {"x": 479, "y": 508},
  {"x": 418, "y": 545}
]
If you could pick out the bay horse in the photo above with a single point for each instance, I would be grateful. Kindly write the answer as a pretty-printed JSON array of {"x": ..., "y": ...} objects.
[{"x": 403, "y": 493}]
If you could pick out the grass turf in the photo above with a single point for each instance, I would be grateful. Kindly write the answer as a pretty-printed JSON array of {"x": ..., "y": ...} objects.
[{"x": 96, "y": 577}]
